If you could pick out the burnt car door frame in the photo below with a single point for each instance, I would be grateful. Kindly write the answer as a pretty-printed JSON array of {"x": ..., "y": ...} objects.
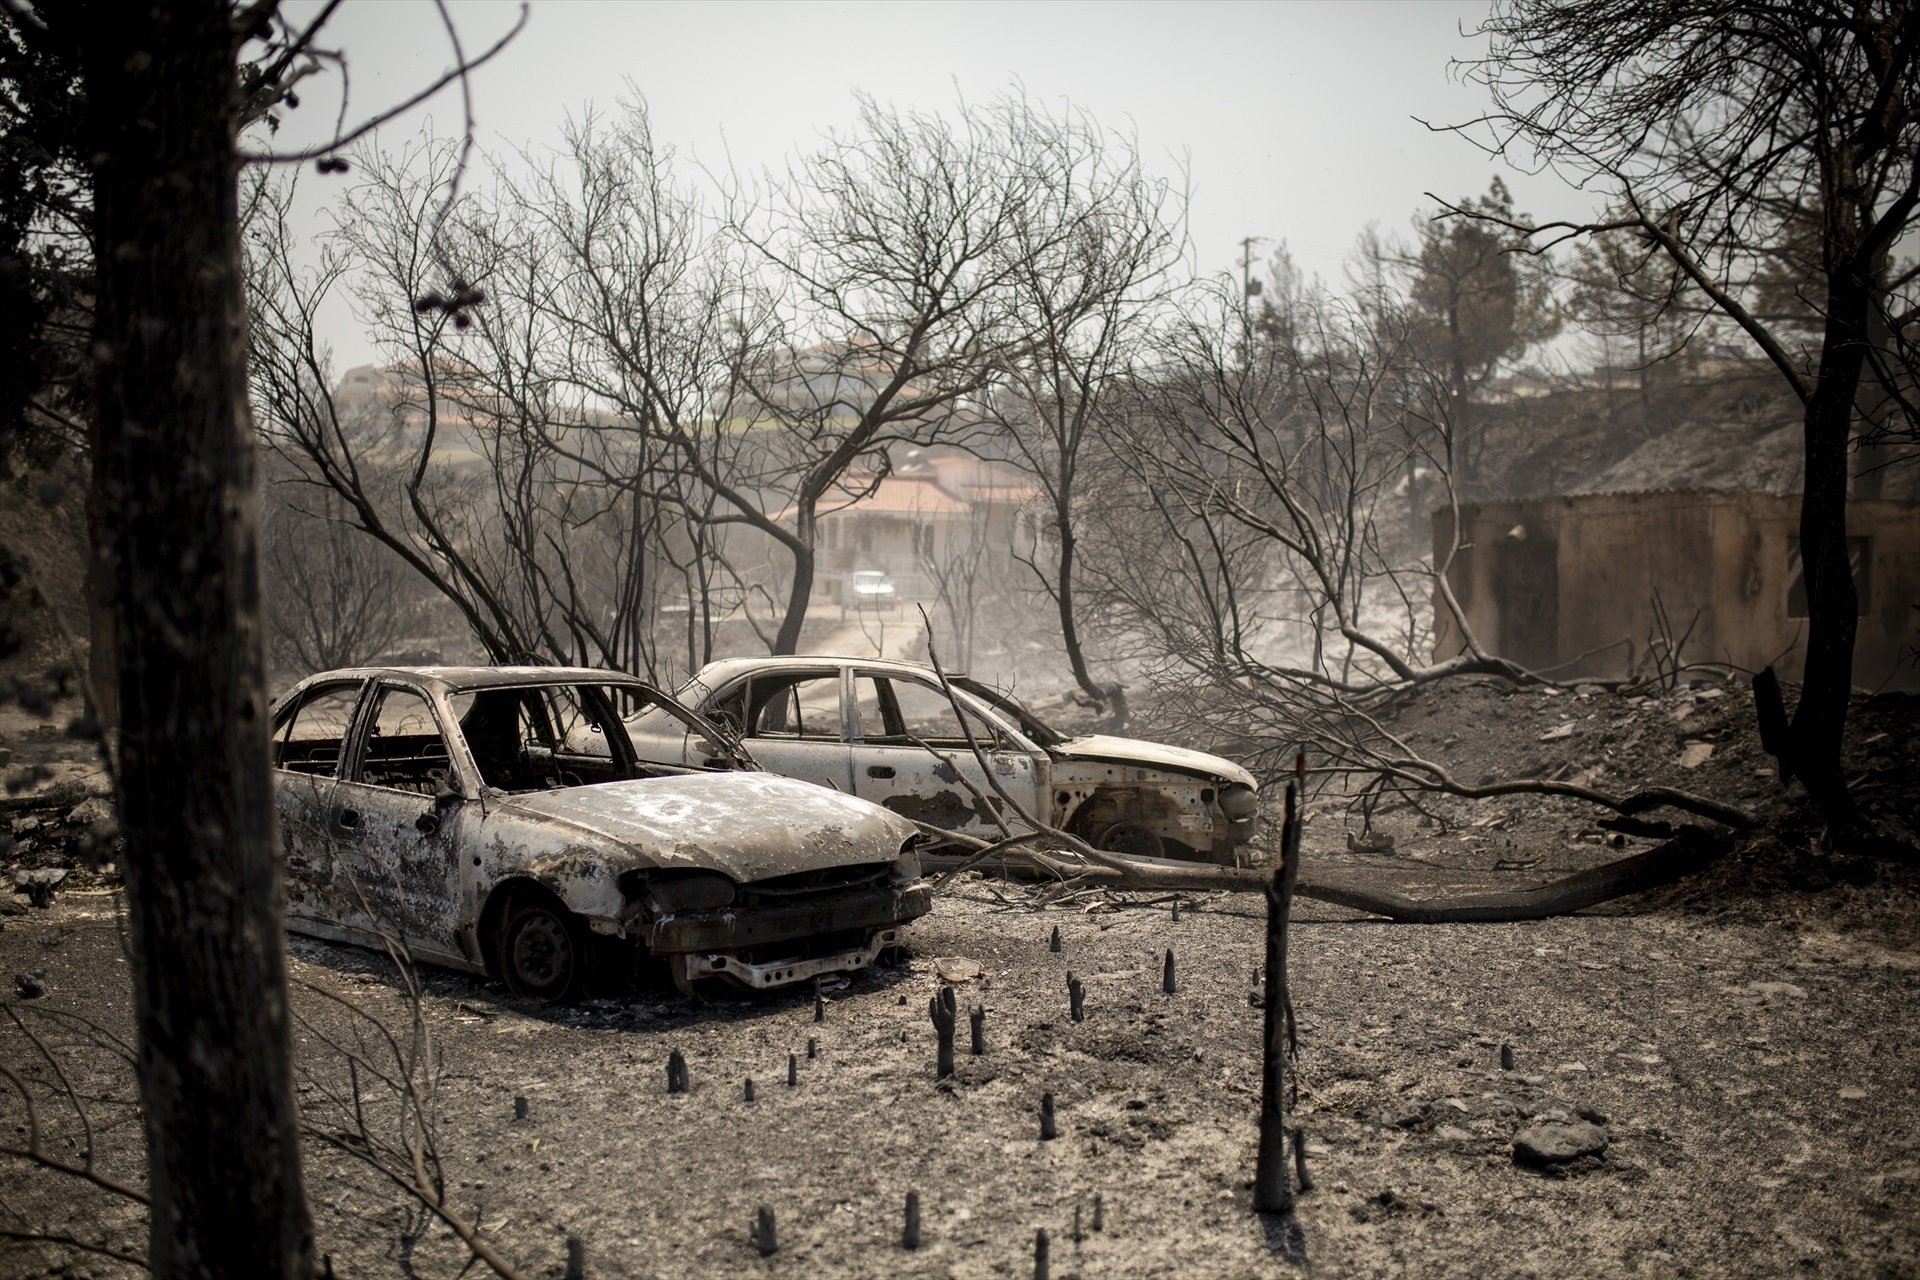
[
  {"x": 828, "y": 761},
  {"x": 407, "y": 845},
  {"x": 883, "y": 767},
  {"x": 309, "y": 850}
]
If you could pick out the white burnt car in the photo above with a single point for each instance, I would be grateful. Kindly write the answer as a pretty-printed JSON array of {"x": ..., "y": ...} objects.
[
  {"x": 498, "y": 820},
  {"x": 859, "y": 725}
]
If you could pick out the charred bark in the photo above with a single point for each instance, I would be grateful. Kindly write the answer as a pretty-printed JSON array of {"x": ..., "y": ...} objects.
[
  {"x": 1688, "y": 853},
  {"x": 1833, "y": 603},
  {"x": 178, "y": 539},
  {"x": 1069, "y": 628}
]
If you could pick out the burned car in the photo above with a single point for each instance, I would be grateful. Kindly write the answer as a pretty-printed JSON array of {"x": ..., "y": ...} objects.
[
  {"x": 498, "y": 820},
  {"x": 865, "y": 726}
]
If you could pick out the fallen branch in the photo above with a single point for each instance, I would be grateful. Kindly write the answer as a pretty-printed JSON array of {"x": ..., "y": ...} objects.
[
  {"x": 1688, "y": 853},
  {"x": 1072, "y": 859}
]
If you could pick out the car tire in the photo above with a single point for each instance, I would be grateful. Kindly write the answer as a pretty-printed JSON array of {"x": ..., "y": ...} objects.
[
  {"x": 1131, "y": 839},
  {"x": 543, "y": 951}
]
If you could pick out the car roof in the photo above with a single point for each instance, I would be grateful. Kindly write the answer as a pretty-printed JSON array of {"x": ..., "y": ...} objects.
[
  {"x": 456, "y": 679},
  {"x": 729, "y": 668}
]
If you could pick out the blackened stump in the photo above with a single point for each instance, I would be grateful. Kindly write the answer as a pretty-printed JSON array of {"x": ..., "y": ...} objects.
[
  {"x": 941, "y": 1009},
  {"x": 763, "y": 1232},
  {"x": 910, "y": 1235},
  {"x": 1272, "y": 1180}
]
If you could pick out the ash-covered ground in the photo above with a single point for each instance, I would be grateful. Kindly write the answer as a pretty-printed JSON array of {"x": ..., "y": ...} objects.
[{"x": 1744, "y": 1045}]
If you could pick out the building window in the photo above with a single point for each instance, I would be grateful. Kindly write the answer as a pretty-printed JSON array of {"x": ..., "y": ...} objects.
[{"x": 1859, "y": 560}]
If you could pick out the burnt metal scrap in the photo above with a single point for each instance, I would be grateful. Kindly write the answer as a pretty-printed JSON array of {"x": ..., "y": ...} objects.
[{"x": 498, "y": 820}]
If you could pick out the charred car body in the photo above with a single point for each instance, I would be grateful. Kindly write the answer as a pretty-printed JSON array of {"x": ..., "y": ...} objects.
[
  {"x": 498, "y": 820},
  {"x": 864, "y": 728}
]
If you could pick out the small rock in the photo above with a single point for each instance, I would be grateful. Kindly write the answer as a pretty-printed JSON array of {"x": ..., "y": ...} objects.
[
  {"x": 1559, "y": 731},
  {"x": 1853, "y": 1095},
  {"x": 1549, "y": 1144},
  {"x": 64, "y": 795},
  {"x": 1775, "y": 990},
  {"x": 31, "y": 986},
  {"x": 93, "y": 811},
  {"x": 1696, "y": 754},
  {"x": 39, "y": 885},
  {"x": 1453, "y": 1133}
]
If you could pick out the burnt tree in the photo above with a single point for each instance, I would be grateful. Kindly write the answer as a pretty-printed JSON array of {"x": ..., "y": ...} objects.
[
  {"x": 1720, "y": 132},
  {"x": 178, "y": 539}
]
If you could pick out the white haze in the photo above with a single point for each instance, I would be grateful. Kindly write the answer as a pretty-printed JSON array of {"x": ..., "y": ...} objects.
[{"x": 1297, "y": 123}]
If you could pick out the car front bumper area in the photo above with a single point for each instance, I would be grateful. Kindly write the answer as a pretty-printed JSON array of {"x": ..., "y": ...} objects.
[{"x": 775, "y": 945}]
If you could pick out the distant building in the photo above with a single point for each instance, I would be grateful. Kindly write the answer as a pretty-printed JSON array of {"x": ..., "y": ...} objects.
[
  {"x": 1696, "y": 527},
  {"x": 924, "y": 524}
]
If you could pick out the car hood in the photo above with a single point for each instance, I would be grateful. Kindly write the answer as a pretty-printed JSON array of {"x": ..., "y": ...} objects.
[
  {"x": 1156, "y": 755},
  {"x": 747, "y": 826}
]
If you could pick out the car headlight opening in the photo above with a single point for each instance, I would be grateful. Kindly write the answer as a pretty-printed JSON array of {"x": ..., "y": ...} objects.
[{"x": 1239, "y": 801}]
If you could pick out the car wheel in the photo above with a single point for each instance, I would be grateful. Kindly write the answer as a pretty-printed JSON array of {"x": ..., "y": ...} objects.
[
  {"x": 1130, "y": 838},
  {"x": 543, "y": 951}
]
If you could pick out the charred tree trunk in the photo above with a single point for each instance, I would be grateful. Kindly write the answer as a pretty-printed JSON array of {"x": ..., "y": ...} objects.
[
  {"x": 179, "y": 531},
  {"x": 1833, "y": 604},
  {"x": 1069, "y": 628},
  {"x": 800, "y": 589},
  {"x": 1272, "y": 1184}
]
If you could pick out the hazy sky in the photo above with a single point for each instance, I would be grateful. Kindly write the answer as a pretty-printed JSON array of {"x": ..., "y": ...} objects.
[{"x": 1294, "y": 122}]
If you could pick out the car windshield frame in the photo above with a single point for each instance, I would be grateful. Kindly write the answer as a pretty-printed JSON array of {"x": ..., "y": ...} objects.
[
  {"x": 604, "y": 684},
  {"x": 1043, "y": 734},
  {"x": 678, "y": 705}
]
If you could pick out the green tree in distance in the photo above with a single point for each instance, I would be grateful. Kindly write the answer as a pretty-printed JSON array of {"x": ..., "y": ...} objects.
[{"x": 1476, "y": 304}]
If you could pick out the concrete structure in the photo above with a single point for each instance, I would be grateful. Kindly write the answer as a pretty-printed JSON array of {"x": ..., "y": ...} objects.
[{"x": 1570, "y": 582}]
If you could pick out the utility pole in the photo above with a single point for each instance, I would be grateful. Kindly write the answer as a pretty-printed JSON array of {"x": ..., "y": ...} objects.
[{"x": 1249, "y": 288}]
